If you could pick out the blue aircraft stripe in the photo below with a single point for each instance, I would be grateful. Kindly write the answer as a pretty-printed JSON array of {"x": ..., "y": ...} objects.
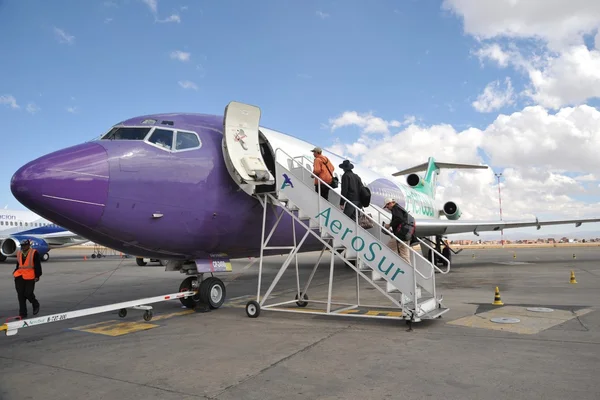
[{"x": 43, "y": 230}]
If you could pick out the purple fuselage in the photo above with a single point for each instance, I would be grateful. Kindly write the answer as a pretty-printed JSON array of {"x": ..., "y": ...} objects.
[{"x": 108, "y": 191}]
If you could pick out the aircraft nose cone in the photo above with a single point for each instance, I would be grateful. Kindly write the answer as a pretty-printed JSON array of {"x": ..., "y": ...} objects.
[{"x": 70, "y": 184}]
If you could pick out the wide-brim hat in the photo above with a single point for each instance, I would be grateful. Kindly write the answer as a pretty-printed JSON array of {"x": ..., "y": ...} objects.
[
  {"x": 346, "y": 165},
  {"x": 387, "y": 201}
]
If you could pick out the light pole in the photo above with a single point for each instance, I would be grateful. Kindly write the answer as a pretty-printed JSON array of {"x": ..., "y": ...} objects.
[{"x": 500, "y": 204}]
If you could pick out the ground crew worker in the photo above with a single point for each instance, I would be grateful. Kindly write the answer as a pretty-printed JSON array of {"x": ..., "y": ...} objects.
[{"x": 27, "y": 273}]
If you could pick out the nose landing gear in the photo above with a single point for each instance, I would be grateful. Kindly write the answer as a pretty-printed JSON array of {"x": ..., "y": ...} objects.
[{"x": 210, "y": 292}]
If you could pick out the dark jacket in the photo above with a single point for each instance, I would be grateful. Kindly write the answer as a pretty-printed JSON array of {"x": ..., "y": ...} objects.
[
  {"x": 351, "y": 184},
  {"x": 37, "y": 263},
  {"x": 399, "y": 217}
]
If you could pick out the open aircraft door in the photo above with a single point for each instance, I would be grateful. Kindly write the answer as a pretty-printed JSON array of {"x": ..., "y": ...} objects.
[{"x": 241, "y": 147}]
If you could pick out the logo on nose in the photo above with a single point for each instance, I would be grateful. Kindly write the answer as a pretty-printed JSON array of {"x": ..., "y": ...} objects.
[{"x": 287, "y": 181}]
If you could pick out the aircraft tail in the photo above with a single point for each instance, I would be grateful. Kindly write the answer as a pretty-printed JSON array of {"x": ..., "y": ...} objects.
[{"x": 427, "y": 185}]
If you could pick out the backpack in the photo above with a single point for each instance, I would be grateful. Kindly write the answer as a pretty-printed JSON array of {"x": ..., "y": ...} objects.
[
  {"x": 406, "y": 229},
  {"x": 364, "y": 195}
]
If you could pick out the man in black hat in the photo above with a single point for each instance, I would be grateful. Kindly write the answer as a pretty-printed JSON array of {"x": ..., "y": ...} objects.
[
  {"x": 27, "y": 273},
  {"x": 351, "y": 184}
]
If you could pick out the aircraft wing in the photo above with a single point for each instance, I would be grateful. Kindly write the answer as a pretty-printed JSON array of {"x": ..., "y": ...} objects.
[
  {"x": 53, "y": 239},
  {"x": 430, "y": 227}
]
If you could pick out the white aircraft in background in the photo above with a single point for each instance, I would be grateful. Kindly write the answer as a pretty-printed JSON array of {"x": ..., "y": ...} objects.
[{"x": 17, "y": 225}]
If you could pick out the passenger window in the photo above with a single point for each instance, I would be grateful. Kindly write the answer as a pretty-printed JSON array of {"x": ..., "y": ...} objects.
[
  {"x": 126, "y": 133},
  {"x": 186, "y": 140},
  {"x": 163, "y": 138}
]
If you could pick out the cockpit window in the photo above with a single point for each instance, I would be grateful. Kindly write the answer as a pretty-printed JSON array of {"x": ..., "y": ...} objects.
[
  {"x": 126, "y": 133},
  {"x": 186, "y": 140},
  {"x": 163, "y": 138}
]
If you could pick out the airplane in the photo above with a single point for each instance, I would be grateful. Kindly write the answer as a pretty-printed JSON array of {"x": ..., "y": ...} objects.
[
  {"x": 18, "y": 225},
  {"x": 175, "y": 187}
]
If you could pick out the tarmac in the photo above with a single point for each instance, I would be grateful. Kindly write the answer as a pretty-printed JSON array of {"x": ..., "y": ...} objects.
[{"x": 223, "y": 354}]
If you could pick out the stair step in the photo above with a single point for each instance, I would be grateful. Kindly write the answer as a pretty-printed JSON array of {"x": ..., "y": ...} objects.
[{"x": 438, "y": 312}]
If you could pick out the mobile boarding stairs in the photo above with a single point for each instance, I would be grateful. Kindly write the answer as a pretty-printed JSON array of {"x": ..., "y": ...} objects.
[{"x": 411, "y": 288}]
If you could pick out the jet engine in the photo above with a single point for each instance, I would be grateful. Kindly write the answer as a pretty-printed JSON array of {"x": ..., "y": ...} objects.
[
  {"x": 11, "y": 245},
  {"x": 414, "y": 180},
  {"x": 451, "y": 211}
]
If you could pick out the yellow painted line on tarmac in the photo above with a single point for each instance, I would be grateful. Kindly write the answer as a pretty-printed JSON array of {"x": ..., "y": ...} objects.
[
  {"x": 121, "y": 327},
  {"x": 529, "y": 323},
  {"x": 171, "y": 315},
  {"x": 115, "y": 328},
  {"x": 3, "y": 327}
]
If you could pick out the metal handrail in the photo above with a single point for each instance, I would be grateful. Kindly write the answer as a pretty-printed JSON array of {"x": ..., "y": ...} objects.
[
  {"x": 363, "y": 213},
  {"x": 441, "y": 255}
]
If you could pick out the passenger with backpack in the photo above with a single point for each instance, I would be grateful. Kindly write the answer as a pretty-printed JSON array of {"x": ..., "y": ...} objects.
[
  {"x": 351, "y": 184},
  {"x": 357, "y": 193},
  {"x": 402, "y": 226},
  {"x": 323, "y": 169}
]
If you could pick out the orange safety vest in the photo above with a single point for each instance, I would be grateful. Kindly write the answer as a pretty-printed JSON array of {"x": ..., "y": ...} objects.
[{"x": 25, "y": 268}]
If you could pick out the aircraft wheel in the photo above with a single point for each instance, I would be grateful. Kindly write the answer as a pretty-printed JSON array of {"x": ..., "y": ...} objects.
[
  {"x": 140, "y": 261},
  {"x": 301, "y": 303},
  {"x": 123, "y": 312},
  {"x": 252, "y": 309},
  {"x": 93, "y": 255},
  {"x": 2, "y": 258},
  {"x": 212, "y": 292},
  {"x": 147, "y": 315},
  {"x": 45, "y": 257},
  {"x": 188, "y": 284}
]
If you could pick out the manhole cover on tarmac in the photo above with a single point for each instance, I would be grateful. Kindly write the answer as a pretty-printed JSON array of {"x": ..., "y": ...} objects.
[
  {"x": 540, "y": 309},
  {"x": 504, "y": 320}
]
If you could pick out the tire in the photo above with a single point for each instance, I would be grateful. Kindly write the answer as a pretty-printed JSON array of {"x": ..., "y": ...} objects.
[
  {"x": 45, "y": 257},
  {"x": 213, "y": 292},
  {"x": 301, "y": 303},
  {"x": 186, "y": 285},
  {"x": 140, "y": 262},
  {"x": 252, "y": 309}
]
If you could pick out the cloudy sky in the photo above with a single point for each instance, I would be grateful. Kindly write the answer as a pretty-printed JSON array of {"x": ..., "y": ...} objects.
[{"x": 510, "y": 83}]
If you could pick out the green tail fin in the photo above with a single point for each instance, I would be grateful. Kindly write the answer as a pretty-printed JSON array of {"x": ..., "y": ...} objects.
[{"x": 427, "y": 185}]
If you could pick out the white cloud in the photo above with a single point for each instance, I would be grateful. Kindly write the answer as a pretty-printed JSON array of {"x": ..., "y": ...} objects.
[
  {"x": 180, "y": 55},
  {"x": 188, "y": 85},
  {"x": 152, "y": 5},
  {"x": 586, "y": 178},
  {"x": 32, "y": 108},
  {"x": 367, "y": 122},
  {"x": 63, "y": 37},
  {"x": 108, "y": 20},
  {"x": 9, "y": 100},
  {"x": 561, "y": 70},
  {"x": 172, "y": 18},
  {"x": 71, "y": 110},
  {"x": 322, "y": 15},
  {"x": 537, "y": 151},
  {"x": 494, "y": 97},
  {"x": 558, "y": 22}
]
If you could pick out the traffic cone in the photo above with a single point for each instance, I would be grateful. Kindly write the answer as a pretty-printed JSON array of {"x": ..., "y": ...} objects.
[
  {"x": 572, "y": 277},
  {"x": 497, "y": 300},
  {"x": 84, "y": 258}
]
